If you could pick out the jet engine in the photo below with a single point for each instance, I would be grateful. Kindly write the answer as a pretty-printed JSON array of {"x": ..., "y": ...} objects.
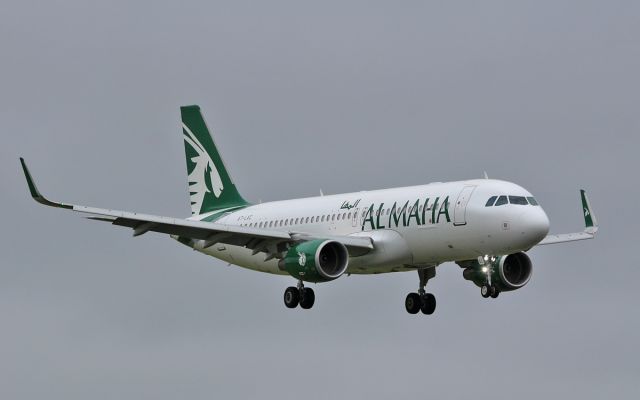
[
  {"x": 316, "y": 260},
  {"x": 506, "y": 273}
]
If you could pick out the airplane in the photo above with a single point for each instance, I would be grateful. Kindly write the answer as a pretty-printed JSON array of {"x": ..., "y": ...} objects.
[{"x": 486, "y": 226}]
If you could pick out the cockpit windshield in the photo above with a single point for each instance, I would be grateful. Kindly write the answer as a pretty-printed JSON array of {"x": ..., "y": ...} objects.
[
  {"x": 502, "y": 200},
  {"x": 517, "y": 200}
]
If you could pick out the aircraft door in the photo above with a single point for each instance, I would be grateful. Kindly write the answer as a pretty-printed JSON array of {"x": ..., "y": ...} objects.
[
  {"x": 354, "y": 219},
  {"x": 460, "y": 210}
]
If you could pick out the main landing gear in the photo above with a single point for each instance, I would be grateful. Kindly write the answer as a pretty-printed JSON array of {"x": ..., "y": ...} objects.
[
  {"x": 299, "y": 295},
  {"x": 422, "y": 301}
]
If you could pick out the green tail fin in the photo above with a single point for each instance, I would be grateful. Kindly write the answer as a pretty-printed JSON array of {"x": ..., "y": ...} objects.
[{"x": 210, "y": 186}]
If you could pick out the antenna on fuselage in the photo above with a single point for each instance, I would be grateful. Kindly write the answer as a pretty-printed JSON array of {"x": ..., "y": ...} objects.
[
  {"x": 321, "y": 194},
  {"x": 485, "y": 175}
]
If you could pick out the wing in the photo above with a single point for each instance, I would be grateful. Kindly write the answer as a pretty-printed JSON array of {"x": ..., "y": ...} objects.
[
  {"x": 590, "y": 229},
  {"x": 200, "y": 233}
]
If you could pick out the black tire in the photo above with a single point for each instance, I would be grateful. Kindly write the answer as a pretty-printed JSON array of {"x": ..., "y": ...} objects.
[
  {"x": 428, "y": 305},
  {"x": 485, "y": 291},
  {"x": 412, "y": 303},
  {"x": 494, "y": 295},
  {"x": 307, "y": 298},
  {"x": 291, "y": 297},
  {"x": 493, "y": 291}
]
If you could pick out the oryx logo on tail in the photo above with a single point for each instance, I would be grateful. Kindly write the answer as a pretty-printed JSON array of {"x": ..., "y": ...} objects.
[
  {"x": 204, "y": 177},
  {"x": 210, "y": 186}
]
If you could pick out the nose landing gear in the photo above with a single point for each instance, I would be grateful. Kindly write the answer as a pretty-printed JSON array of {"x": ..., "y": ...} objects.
[
  {"x": 422, "y": 301},
  {"x": 303, "y": 296},
  {"x": 488, "y": 290}
]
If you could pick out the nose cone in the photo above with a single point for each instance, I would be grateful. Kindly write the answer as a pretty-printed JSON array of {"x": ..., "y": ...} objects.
[{"x": 534, "y": 224}]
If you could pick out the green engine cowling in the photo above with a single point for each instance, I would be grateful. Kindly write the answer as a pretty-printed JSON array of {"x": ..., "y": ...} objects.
[
  {"x": 508, "y": 272},
  {"x": 316, "y": 260}
]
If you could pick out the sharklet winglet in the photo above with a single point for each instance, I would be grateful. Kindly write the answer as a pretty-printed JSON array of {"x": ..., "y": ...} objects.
[{"x": 35, "y": 193}]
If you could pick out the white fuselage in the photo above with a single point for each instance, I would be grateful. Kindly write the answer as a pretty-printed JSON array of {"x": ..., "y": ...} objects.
[{"x": 411, "y": 227}]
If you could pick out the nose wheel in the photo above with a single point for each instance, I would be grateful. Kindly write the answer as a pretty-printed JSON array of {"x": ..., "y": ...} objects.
[
  {"x": 422, "y": 301},
  {"x": 489, "y": 291},
  {"x": 302, "y": 296}
]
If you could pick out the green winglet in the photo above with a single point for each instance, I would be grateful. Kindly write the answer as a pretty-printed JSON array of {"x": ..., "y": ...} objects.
[
  {"x": 34, "y": 189},
  {"x": 590, "y": 221}
]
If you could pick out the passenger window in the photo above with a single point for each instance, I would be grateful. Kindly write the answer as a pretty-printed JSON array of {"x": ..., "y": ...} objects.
[
  {"x": 323, "y": 218},
  {"x": 306, "y": 221},
  {"x": 491, "y": 200},
  {"x": 532, "y": 201},
  {"x": 502, "y": 200},
  {"x": 519, "y": 200},
  {"x": 349, "y": 215}
]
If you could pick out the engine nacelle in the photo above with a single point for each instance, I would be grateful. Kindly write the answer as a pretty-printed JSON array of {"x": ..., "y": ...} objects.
[
  {"x": 509, "y": 272},
  {"x": 316, "y": 260}
]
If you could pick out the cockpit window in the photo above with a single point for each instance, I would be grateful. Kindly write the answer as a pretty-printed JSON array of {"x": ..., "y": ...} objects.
[
  {"x": 519, "y": 200},
  {"x": 502, "y": 200},
  {"x": 532, "y": 201},
  {"x": 491, "y": 201}
]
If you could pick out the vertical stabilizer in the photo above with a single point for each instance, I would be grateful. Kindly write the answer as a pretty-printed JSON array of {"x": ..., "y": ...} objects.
[{"x": 210, "y": 186}]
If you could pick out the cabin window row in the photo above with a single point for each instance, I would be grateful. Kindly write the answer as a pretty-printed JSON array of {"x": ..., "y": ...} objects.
[
  {"x": 328, "y": 218},
  {"x": 517, "y": 200},
  {"x": 298, "y": 221}
]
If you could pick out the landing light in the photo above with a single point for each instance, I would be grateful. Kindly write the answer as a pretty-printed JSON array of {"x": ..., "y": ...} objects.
[{"x": 485, "y": 269}]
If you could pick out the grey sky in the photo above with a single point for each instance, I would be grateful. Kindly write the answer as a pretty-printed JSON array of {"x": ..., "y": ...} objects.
[{"x": 341, "y": 96}]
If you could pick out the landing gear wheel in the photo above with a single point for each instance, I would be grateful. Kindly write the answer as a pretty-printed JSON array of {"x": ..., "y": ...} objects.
[
  {"x": 428, "y": 304},
  {"x": 307, "y": 298},
  {"x": 494, "y": 293},
  {"x": 412, "y": 303},
  {"x": 485, "y": 291},
  {"x": 291, "y": 297}
]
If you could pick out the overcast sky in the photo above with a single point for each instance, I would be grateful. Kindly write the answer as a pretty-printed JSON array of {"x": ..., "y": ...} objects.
[{"x": 342, "y": 96}]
